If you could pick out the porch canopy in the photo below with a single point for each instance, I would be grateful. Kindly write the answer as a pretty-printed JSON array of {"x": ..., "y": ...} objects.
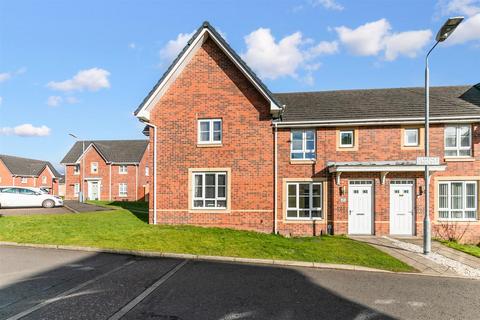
[{"x": 383, "y": 167}]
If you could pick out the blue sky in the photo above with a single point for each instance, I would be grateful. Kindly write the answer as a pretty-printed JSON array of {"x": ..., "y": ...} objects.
[{"x": 84, "y": 66}]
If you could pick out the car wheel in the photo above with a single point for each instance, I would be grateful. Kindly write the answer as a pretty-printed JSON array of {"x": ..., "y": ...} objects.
[{"x": 48, "y": 204}]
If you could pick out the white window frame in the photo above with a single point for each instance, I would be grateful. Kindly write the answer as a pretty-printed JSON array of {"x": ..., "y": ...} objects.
[
  {"x": 304, "y": 150},
  {"x": 76, "y": 189},
  {"x": 122, "y": 189},
  {"x": 76, "y": 169},
  {"x": 94, "y": 167},
  {"x": 211, "y": 131},
  {"x": 24, "y": 180},
  {"x": 297, "y": 196},
  {"x": 350, "y": 145},
  {"x": 123, "y": 169},
  {"x": 203, "y": 198},
  {"x": 44, "y": 180},
  {"x": 147, "y": 171},
  {"x": 464, "y": 201},
  {"x": 405, "y": 137},
  {"x": 458, "y": 146}
]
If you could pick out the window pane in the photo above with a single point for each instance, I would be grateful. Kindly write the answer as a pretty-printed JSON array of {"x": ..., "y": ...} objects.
[
  {"x": 297, "y": 135},
  {"x": 411, "y": 136},
  {"x": 221, "y": 204},
  {"x": 210, "y": 179},
  {"x": 217, "y": 125},
  {"x": 316, "y": 202},
  {"x": 205, "y": 136},
  {"x": 221, "y": 179},
  {"x": 304, "y": 213},
  {"x": 297, "y": 145},
  {"x": 443, "y": 196},
  {"x": 470, "y": 214},
  {"x": 292, "y": 202},
  {"x": 210, "y": 192},
  {"x": 310, "y": 145},
  {"x": 316, "y": 213},
  {"x": 310, "y": 155},
  {"x": 464, "y": 136},
  {"x": 210, "y": 203},
  {"x": 346, "y": 138},
  {"x": 198, "y": 180},
  {"x": 316, "y": 189},
  {"x": 304, "y": 202},
  {"x": 309, "y": 135},
  {"x": 464, "y": 152},
  {"x": 304, "y": 189},
  {"x": 471, "y": 195},
  {"x": 204, "y": 126},
  {"x": 292, "y": 213},
  {"x": 221, "y": 192},
  {"x": 456, "y": 197},
  {"x": 457, "y": 215},
  {"x": 198, "y": 203},
  {"x": 297, "y": 155},
  {"x": 217, "y": 136},
  {"x": 450, "y": 137},
  {"x": 443, "y": 214},
  {"x": 451, "y": 153},
  {"x": 198, "y": 192},
  {"x": 292, "y": 189}
]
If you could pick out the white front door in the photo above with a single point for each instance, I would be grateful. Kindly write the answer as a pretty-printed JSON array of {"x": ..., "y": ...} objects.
[
  {"x": 360, "y": 195},
  {"x": 401, "y": 207},
  {"x": 93, "y": 190}
]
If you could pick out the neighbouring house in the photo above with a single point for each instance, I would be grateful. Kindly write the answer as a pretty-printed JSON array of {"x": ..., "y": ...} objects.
[
  {"x": 227, "y": 152},
  {"x": 113, "y": 170},
  {"x": 61, "y": 186},
  {"x": 24, "y": 172}
]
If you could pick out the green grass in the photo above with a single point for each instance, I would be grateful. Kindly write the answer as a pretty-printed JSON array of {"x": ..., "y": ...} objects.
[
  {"x": 126, "y": 228},
  {"x": 472, "y": 249}
]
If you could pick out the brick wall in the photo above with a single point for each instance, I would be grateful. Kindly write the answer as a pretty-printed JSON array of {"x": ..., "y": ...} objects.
[{"x": 210, "y": 86}]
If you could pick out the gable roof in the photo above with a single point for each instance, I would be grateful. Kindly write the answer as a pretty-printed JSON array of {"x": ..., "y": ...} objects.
[
  {"x": 117, "y": 151},
  {"x": 204, "y": 31},
  {"x": 377, "y": 104},
  {"x": 19, "y": 166}
]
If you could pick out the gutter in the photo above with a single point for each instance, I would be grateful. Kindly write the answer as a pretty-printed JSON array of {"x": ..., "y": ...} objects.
[{"x": 154, "y": 169}]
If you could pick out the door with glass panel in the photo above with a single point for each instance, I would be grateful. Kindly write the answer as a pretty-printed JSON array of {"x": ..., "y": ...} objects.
[
  {"x": 360, "y": 207},
  {"x": 401, "y": 207}
]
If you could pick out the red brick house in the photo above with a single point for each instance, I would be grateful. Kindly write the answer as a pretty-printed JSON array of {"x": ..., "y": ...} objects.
[
  {"x": 227, "y": 152},
  {"x": 113, "y": 170},
  {"x": 24, "y": 172}
]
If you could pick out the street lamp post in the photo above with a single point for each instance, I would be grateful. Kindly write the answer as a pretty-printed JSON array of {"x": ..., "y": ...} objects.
[
  {"x": 445, "y": 31},
  {"x": 82, "y": 188}
]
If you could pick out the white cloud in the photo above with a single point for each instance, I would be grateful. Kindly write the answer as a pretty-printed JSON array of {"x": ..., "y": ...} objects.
[
  {"x": 327, "y": 4},
  {"x": 468, "y": 30},
  {"x": 26, "y": 130},
  {"x": 373, "y": 38},
  {"x": 407, "y": 43},
  {"x": 92, "y": 79},
  {"x": 466, "y": 7},
  {"x": 54, "y": 101},
  {"x": 272, "y": 60},
  {"x": 173, "y": 47},
  {"x": 4, "y": 76},
  {"x": 367, "y": 39},
  {"x": 71, "y": 100}
]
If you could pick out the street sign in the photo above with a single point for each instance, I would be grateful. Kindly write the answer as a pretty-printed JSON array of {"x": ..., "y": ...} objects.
[{"x": 428, "y": 161}]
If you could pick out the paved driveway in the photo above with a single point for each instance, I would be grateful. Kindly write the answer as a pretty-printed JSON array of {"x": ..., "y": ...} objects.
[{"x": 61, "y": 284}]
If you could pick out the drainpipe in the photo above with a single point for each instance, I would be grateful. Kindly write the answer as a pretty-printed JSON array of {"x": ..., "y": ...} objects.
[
  {"x": 110, "y": 183},
  {"x": 154, "y": 170},
  {"x": 136, "y": 182},
  {"x": 275, "y": 200}
]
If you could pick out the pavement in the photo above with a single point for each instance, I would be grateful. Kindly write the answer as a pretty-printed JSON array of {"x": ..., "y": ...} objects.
[
  {"x": 70, "y": 206},
  {"x": 40, "y": 283},
  {"x": 443, "y": 261}
]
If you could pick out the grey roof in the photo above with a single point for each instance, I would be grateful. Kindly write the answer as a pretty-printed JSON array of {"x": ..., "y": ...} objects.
[
  {"x": 208, "y": 26},
  {"x": 120, "y": 151},
  {"x": 380, "y": 103},
  {"x": 26, "y": 167}
]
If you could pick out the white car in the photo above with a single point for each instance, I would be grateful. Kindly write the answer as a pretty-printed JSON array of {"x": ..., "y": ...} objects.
[{"x": 27, "y": 197}]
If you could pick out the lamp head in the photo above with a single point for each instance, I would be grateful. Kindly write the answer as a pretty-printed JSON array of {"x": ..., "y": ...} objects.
[{"x": 448, "y": 27}]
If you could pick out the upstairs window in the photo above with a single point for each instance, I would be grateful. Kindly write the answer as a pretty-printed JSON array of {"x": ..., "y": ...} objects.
[
  {"x": 346, "y": 138},
  {"x": 411, "y": 137},
  {"x": 94, "y": 167},
  {"x": 302, "y": 145},
  {"x": 24, "y": 180},
  {"x": 458, "y": 141},
  {"x": 123, "y": 169},
  {"x": 44, "y": 180},
  {"x": 210, "y": 131},
  {"x": 76, "y": 169},
  {"x": 147, "y": 172}
]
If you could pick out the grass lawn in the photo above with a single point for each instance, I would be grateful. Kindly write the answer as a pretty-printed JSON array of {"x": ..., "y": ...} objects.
[
  {"x": 472, "y": 249},
  {"x": 126, "y": 227}
]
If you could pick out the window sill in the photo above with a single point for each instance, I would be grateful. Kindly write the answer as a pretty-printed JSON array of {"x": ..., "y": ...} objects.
[
  {"x": 458, "y": 220},
  {"x": 209, "y": 145},
  {"x": 302, "y": 161},
  {"x": 200, "y": 210},
  {"x": 293, "y": 220},
  {"x": 459, "y": 159}
]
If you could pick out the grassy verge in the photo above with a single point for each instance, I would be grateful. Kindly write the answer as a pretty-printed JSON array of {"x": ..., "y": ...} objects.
[
  {"x": 471, "y": 249},
  {"x": 125, "y": 227}
]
